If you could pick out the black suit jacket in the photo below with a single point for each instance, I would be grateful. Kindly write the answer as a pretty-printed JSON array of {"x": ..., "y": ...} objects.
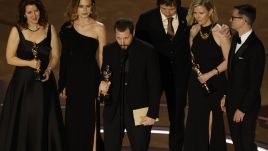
[
  {"x": 143, "y": 82},
  {"x": 245, "y": 73},
  {"x": 174, "y": 55}
]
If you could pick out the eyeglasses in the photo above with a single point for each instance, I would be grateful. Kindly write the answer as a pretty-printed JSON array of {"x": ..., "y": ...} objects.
[{"x": 234, "y": 17}]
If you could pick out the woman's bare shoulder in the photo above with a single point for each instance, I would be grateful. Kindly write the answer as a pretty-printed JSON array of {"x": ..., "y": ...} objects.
[
  {"x": 99, "y": 24},
  {"x": 100, "y": 27}
]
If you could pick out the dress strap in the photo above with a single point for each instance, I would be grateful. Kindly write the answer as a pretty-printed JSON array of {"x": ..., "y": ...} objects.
[
  {"x": 20, "y": 33},
  {"x": 49, "y": 32}
]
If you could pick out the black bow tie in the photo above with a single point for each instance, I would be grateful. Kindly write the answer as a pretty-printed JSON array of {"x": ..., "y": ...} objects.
[{"x": 237, "y": 39}]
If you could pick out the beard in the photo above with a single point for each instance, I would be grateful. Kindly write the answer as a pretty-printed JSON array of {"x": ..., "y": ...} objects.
[{"x": 124, "y": 47}]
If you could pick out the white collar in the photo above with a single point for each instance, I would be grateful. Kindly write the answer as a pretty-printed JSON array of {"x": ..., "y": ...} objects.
[
  {"x": 245, "y": 36},
  {"x": 164, "y": 18}
]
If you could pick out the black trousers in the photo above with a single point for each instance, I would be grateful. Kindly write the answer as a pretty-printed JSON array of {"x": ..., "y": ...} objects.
[
  {"x": 139, "y": 136},
  {"x": 176, "y": 102},
  {"x": 243, "y": 133}
]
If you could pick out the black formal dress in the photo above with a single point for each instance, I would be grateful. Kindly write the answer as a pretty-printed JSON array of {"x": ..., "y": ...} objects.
[
  {"x": 31, "y": 119},
  {"x": 208, "y": 55},
  {"x": 79, "y": 74}
]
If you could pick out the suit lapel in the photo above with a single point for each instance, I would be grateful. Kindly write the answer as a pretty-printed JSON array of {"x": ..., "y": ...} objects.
[
  {"x": 240, "y": 51},
  {"x": 244, "y": 46},
  {"x": 177, "y": 34},
  {"x": 182, "y": 25},
  {"x": 159, "y": 23},
  {"x": 231, "y": 54}
]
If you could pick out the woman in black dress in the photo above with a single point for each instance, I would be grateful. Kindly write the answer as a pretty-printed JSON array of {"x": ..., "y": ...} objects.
[
  {"x": 82, "y": 40},
  {"x": 31, "y": 119},
  {"x": 210, "y": 47}
]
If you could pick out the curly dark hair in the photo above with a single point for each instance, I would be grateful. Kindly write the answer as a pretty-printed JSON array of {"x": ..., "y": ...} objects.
[
  {"x": 176, "y": 3},
  {"x": 22, "y": 21}
]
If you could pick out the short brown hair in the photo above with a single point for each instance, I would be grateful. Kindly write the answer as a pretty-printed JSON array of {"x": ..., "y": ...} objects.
[
  {"x": 176, "y": 3},
  {"x": 123, "y": 24}
]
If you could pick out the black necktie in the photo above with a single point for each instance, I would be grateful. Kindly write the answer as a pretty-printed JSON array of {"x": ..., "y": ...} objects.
[{"x": 170, "y": 29}]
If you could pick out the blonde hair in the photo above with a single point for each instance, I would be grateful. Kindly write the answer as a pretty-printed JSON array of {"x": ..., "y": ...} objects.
[
  {"x": 208, "y": 4},
  {"x": 71, "y": 12}
]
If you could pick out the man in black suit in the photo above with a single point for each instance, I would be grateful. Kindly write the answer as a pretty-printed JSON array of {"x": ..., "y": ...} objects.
[
  {"x": 135, "y": 83},
  {"x": 245, "y": 72},
  {"x": 165, "y": 27}
]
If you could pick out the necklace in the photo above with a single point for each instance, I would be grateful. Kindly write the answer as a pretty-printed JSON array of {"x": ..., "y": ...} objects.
[
  {"x": 83, "y": 24},
  {"x": 78, "y": 24},
  {"x": 205, "y": 35},
  {"x": 34, "y": 30}
]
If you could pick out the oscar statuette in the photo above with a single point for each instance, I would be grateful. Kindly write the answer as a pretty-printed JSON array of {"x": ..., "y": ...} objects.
[
  {"x": 207, "y": 89},
  {"x": 37, "y": 72},
  {"x": 103, "y": 94}
]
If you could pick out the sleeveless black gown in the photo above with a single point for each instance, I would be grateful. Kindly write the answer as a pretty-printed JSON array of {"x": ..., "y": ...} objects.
[
  {"x": 208, "y": 55},
  {"x": 31, "y": 119},
  {"x": 79, "y": 74}
]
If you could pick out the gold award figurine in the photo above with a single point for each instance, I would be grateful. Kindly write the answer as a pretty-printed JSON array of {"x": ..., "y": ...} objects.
[
  {"x": 196, "y": 67},
  {"x": 35, "y": 54},
  {"x": 103, "y": 93}
]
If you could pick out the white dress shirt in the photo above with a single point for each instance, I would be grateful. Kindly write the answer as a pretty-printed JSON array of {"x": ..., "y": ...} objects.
[
  {"x": 175, "y": 22},
  {"x": 244, "y": 37}
]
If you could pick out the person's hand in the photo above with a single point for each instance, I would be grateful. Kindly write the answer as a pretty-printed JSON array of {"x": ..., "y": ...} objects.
[
  {"x": 104, "y": 87},
  {"x": 203, "y": 78},
  {"x": 223, "y": 108},
  {"x": 35, "y": 64},
  {"x": 63, "y": 94},
  {"x": 147, "y": 121},
  {"x": 194, "y": 30},
  {"x": 238, "y": 116},
  {"x": 225, "y": 31},
  {"x": 46, "y": 75}
]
